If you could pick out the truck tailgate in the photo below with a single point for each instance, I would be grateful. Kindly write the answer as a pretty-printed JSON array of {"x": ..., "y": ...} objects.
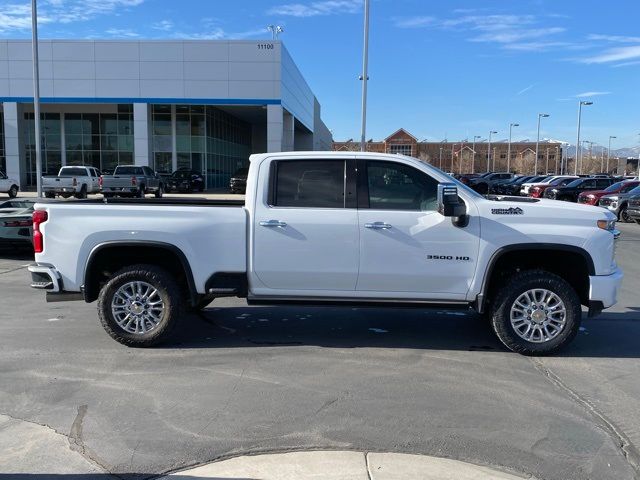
[{"x": 211, "y": 238}]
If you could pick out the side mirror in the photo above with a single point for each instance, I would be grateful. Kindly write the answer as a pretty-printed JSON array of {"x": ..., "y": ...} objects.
[{"x": 449, "y": 204}]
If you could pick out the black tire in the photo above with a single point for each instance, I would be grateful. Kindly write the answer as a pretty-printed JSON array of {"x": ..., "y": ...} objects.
[
  {"x": 82, "y": 193},
  {"x": 50, "y": 195},
  {"x": 168, "y": 290},
  {"x": 65, "y": 195},
  {"x": 13, "y": 191},
  {"x": 159, "y": 191},
  {"x": 107, "y": 195},
  {"x": 516, "y": 286},
  {"x": 141, "y": 192},
  {"x": 623, "y": 215}
]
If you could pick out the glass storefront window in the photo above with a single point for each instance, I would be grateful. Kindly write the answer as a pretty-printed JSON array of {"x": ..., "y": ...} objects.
[{"x": 3, "y": 159}]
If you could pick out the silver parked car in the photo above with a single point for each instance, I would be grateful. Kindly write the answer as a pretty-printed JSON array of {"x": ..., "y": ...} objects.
[{"x": 617, "y": 202}]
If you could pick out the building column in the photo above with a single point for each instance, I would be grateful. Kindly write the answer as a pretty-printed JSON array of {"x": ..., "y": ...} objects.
[
  {"x": 141, "y": 134},
  {"x": 15, "y": 168},
  {"x": 174, "y": 141},
  {"x": 288, "y": 133},
  {"x": 274, "y": 128}
]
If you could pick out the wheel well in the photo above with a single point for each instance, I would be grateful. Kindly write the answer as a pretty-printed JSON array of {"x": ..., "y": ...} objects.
[
  {"x": 107, "y": 260},
  {"x": 571, "y": 265}
]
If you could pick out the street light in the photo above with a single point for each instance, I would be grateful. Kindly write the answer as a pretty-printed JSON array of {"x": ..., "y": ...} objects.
[
  {"x": 489, "y": 149},
  {"x": 473, "y": 156},
  {"x": 609, "y": 151},
  {"x": 365, "y": 76},
  {"x": 511, "y": 125},
  {"x": 535, "y": 168},
  {"x": 578, "y": 151},
  {"x": 36, "y": 94}
]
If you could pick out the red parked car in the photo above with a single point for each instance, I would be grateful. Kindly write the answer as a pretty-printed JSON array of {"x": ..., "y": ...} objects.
[
  {"x": 536, "y": 191},
  {"x": 593, "y": 196}
]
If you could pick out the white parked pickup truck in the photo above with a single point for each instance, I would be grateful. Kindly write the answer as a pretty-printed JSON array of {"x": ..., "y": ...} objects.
[
  {"x": 77, "y": 181},
  {"x": 334, "y": 227},
  {"x": 8, "y": 185}
]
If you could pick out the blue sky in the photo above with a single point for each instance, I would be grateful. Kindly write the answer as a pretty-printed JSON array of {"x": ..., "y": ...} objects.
[{"x": 457, "y": 68}]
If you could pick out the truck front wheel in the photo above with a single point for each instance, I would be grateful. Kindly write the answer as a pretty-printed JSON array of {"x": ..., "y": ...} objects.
[
  {"x": 536, "y": 313},
  {"x": 140, "y": 305}
]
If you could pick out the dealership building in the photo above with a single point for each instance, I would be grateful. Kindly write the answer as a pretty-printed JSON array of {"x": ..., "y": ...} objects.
[{"x": 203, "y": 105}]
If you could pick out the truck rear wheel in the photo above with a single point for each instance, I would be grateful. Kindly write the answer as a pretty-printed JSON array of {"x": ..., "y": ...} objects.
[
  {"x": 82, "y": 193},
  {"x": 536, "y": 313},
  {"x": 13, "y": 191},
  {"x": 140, "y": 305}
]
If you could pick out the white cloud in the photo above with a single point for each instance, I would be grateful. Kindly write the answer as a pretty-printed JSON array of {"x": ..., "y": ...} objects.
[
  {"x": 590, "y": 94},
  {"x": 508, "y": 35},
  {"x": 537, "y": 46},
  {"x": 614, "y": 38},
  {"x": 164, "y": 25},
  {"x": 626, "y": 64},
  {"x": 313, "y": 9},
  {"x": 16, "y": 17},
  {"x": 526, "y": 89},
  {"x": 614, "y": 55},
  {"x": 414, "y": 22},
  {"x": 122, "y": 32}
]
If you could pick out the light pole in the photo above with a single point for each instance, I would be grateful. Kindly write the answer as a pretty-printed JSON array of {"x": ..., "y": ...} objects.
[
  {"x": 511, "y": 125},
  {"x": 535, "y": 167},
  {"x": 578, "y": 151},
  {"x": 489, "y": 149},
  {"x": 36, "y": 94},
  {"x": 440, "y": 158},
  {"x": 473, "y": 156},
  {"x": 365, "y": 76}
]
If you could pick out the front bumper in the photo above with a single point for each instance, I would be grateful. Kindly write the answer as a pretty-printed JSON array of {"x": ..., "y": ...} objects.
[{"x": 603, "y": 289}]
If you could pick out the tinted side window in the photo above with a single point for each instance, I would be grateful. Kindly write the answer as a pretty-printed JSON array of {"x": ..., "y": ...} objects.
[
  {"x": 310, "y": 184},
  {"x": 93, "y": 172},
  {"x": 393, "y": 186},
  {"x": 603, "y": 183},
  {"x": 588, "y": 184}
]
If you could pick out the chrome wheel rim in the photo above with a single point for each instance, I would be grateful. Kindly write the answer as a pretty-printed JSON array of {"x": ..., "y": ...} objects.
[
  {"x": 137, "y": 307},
  {"x": 538, "y": 315}
]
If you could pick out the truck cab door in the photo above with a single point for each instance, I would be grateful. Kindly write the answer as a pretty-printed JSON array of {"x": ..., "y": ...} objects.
[
  {"x": 407, "y": 248},
  {"x": 305, "y": 229}
]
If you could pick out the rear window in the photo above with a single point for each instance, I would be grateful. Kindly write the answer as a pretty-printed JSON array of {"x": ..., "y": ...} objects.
[
  {"x": 310, "y": 184},
  {"x": 75, "y": 171},
  {"x": 128, "y": 171}
]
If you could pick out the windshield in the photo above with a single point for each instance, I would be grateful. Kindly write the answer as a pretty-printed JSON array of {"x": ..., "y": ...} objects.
[
  {"x": 76, "y": 171},
  {"x": 575, "y": 183},
  {"x": 181, "y": 174},
  {"x": 128, "y": 171},
  {"x": 614, "y": 188}
]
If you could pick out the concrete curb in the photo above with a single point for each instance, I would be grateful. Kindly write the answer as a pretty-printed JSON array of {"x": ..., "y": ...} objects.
[{"x": 342, "y": 465}]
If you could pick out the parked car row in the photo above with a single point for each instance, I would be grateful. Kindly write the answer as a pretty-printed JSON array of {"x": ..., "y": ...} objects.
[
  {"x": 125, "y": 181},
  {"x": 619, "y": 195}
]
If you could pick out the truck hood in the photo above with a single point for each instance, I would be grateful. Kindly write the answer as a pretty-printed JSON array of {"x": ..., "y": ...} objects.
[{"x": 544, "y": 212}]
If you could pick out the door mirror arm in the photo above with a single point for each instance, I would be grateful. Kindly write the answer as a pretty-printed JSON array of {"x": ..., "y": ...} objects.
[{"x": 450, "y": 204}]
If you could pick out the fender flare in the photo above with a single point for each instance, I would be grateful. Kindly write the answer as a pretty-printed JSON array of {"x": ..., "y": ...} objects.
[
  {"x": 89, "y": 294},
  {"x": 500, "y": 252}
]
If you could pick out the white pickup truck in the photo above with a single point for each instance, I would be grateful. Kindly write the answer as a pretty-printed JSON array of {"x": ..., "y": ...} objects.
[
  {"x": 334, "y": 227},
  {"x": 77, "y": 181}
]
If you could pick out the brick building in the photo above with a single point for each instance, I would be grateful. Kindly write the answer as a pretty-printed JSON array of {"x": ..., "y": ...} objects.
[{"x": 460, "y": 157}]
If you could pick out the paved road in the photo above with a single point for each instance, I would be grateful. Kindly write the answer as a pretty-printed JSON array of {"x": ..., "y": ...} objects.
[{"x": 249, "y": 379}]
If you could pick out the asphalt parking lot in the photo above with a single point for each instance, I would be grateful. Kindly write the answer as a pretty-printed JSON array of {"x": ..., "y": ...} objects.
[{"x": 245, "y": 379}]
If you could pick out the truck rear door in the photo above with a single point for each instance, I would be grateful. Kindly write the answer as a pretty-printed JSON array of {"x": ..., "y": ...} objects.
[{"x": 305, "y": 232}]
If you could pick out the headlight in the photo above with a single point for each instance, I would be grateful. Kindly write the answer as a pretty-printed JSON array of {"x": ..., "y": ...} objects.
[{"x": 609, "y": 225}]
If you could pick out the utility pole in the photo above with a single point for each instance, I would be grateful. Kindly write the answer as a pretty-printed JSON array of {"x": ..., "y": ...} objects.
[
  {"x": 535, "y": 168},
  {"x": 365, "y": 77},
  {"x": 578, "y": 150},
  {"x": 36, "y": 94},
  {"x": 511, "y": 125},
  {"x": 489, "y": 150},
  {"x": 473, "y": 158}
]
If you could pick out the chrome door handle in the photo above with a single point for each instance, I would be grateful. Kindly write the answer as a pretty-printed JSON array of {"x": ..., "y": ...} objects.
[
  {"x": 378, "y": 226},
  {"x": 273, "y": 223}
]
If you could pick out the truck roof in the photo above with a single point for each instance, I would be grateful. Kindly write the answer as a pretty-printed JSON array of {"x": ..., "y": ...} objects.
[{"x": 315, "y": 154}]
